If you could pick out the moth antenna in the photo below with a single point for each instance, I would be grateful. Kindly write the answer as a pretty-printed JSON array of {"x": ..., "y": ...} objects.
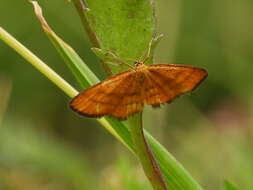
[
  {"x": 114, "y": 64},
  {"x": 146, "y": 58},
  {"x": 121, "y": 61}
]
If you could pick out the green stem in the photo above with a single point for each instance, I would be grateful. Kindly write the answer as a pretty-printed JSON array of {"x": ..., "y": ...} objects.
[
  {"x": 37, "y": 63},
  {"x": 145, "y": 154},
  {"x": 82, "y": 9}
]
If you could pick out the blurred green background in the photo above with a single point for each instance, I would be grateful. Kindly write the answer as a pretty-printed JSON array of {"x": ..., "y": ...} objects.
[{"x": 44, "y": 145}]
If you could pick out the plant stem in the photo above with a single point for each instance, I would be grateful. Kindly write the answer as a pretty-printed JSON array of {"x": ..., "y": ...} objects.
[
  {"x": 37, "y": 63},
  {"x": 81, "y": 7},
  {"x": 145, "y": 154}
]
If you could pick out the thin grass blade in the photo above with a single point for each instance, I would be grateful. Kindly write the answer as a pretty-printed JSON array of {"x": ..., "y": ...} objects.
[{"x": 77, "y": 66}]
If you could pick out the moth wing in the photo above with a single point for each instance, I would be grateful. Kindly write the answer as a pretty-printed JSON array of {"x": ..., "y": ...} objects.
[
  {"x": 167, "y": 81},
  {"x": 153, "y": 92},
  {"x": 132, "y": 100},
  {"x": 112, "y": 97}
]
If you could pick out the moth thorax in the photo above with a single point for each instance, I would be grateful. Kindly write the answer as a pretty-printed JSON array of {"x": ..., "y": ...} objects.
[
  {"x": 138, "y": 64},
  {"x": 141, "y": 77}
]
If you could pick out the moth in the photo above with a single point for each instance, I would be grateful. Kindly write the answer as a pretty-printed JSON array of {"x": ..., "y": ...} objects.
[{"x": 126, "y": 93}]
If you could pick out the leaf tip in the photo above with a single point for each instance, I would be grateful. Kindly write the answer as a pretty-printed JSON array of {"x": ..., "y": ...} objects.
[{"x": 39, "y": 14}]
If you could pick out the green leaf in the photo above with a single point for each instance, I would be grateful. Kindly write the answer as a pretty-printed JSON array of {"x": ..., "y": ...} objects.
[
  {"x": 174, "y": 173},
  {"x": 124, "y": 27},
  {"x": 229, "y": 186},
  {"x": 118, "y": 23}
]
